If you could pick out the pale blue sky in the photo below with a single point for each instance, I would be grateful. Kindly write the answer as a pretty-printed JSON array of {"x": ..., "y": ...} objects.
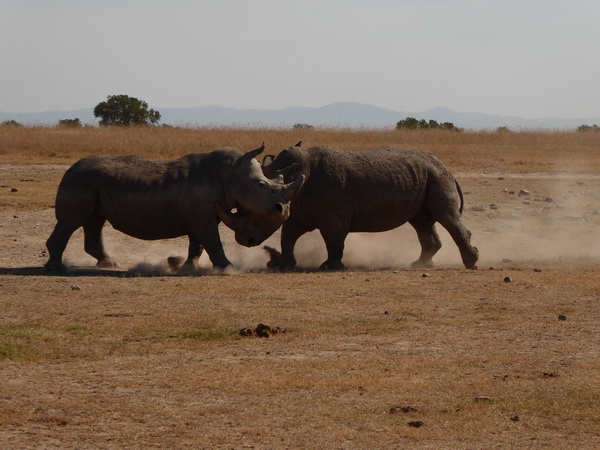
[{"x": 530, "y": 58}]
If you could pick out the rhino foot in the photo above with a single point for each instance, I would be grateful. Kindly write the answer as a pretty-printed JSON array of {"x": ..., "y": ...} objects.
[
  {"x": 335, "y": 266},
  {"x": 52, "y": 266},
  {"x": 418, "y": 264},
  {"x": 106, "y": 263}
]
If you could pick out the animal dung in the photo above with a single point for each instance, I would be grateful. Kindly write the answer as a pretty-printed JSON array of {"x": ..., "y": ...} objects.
[
  {"x": 416, "y": 424},
  {"x": 262, "y": 330}
]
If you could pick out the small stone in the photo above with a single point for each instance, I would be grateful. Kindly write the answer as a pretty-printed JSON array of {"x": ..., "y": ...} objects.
[
  {"x": 483, "y": 398},
  {"x": 549, "y": 199},
  {"x": 501, "y": 178},
  {"x": 493, "y": 206},
  {"x": 515, "y": 418},
  {"x": 14, "y": 190},
  {"x": 386, "y": 313},
  {"x": 527, "y": 203},
  {"x": 507, "y": 279},
  {"x": 562, "y": 317},
  {"x": 523, "y": 192},
  {"x": 75, "y": 287},
  {"x": 537, "y": 270},
  {"x": 425, "y": 275},
  {"x": 506, "y": 260}
]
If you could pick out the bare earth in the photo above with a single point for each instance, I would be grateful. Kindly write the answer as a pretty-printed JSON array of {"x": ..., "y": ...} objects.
[{"x": 379, "y": 356}]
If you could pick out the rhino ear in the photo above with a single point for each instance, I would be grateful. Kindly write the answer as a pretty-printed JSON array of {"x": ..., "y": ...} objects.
[
  {"x": 267, "y": 160},
  {"x": 252, "y": 153}
]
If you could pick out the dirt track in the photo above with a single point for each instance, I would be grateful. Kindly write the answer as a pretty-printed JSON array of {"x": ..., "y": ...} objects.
[{"x": 130, "y": 362}]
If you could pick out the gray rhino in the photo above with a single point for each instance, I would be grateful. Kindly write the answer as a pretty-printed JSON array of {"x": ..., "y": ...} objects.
[
  {"x": 368, "y": 191},
  {"x": 160, "y": 200}
]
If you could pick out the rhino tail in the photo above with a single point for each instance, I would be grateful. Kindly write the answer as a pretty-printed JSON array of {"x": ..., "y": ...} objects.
[{"x": 460, "y": 194}]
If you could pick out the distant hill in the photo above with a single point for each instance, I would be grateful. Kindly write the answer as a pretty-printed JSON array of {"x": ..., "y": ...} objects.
[{"x": 337, "y": 115}]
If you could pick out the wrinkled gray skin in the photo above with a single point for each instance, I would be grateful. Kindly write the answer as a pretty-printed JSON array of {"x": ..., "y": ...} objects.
[
  {"x": 368, "y": 191},
  {"x": 160, "y": 200}
]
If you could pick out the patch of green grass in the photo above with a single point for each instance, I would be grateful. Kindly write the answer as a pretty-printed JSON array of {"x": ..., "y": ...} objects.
[
  {"x": 20, "y": 331},
  {"x": 11, "y": 351},
  {"x": 78, "y": 331},
  {"x": 206, "y": 334}
]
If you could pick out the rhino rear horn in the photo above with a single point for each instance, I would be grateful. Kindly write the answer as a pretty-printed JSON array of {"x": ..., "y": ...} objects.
[{"x": 252, "y": 153}]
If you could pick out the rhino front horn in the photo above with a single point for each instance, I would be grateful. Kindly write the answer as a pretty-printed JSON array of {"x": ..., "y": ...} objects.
[{"x": 291, "y": 189}]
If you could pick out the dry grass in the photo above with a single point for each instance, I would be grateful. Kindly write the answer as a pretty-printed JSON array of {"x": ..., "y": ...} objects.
[
  {"x": 158, "y": 362},
  {"x": 513, "y": 152}
]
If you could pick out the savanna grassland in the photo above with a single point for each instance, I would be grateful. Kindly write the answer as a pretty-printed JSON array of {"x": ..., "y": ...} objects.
[{"x": 379, "y": 356}]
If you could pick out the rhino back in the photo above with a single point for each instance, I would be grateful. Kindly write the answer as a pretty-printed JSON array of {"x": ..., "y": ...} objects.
[
  {"x": 373, "y": 190},
  {"x": 143, "y": 198}
]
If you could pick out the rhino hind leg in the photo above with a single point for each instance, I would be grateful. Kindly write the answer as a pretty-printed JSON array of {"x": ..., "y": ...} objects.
[
  {"x": 56, "y": 244},
  {"x": 334, "y": 241},
  {"x": 462, "y": 237},
  {"x": 429, "y": 240},
  {"x": 94, "y": 243}
]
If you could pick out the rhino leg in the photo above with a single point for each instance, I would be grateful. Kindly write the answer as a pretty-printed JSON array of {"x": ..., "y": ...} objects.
[
  {"x": 290, "y": 233},
  {"x": 462, "y": 237},
  {"x": 94, "y": 243},
  {"x": 334, "y": 238},
  {"x": 429, "y": 240},
  {"x": 206, "y": 235},
  {"x": 195, "y": 250},
  {"x": 56, "y": 244}
]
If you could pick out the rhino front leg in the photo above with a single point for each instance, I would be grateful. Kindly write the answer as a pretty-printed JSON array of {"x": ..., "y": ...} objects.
[
  {"x": 94, "y": 242},
  {"x": 195, "y": 250},
  {"x": 206, "y": 236},
  {"x": 290, "y": 233}
]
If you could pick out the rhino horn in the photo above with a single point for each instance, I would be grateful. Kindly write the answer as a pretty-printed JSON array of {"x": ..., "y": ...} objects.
[
  {"x": 252, "y": 153},
  {"x": 298, "y": 144},
  {"x": 227, "y": 217},
  {"x": 291, "y": 189}
]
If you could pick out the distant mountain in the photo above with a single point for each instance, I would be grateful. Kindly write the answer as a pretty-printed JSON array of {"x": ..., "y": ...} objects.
[{"x": 337, "y": 115}]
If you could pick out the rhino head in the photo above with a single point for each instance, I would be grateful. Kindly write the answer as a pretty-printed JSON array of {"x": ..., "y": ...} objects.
[
  {"x": 289, "y": 164},
  {"x": 262, "y": 204}
]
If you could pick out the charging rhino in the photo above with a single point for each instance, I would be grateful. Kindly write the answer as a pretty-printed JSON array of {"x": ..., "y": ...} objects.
[
  {"x": 368, "y": 191},
  {"x": 160, "y": 200}
]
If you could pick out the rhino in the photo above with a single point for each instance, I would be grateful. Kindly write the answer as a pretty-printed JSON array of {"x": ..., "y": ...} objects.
[
  {"x": 152, "y": 200},
  {"x": 368, "y": 191}
]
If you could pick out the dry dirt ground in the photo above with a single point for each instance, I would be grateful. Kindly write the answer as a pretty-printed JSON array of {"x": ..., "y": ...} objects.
[{"x": 379, "y": 356}]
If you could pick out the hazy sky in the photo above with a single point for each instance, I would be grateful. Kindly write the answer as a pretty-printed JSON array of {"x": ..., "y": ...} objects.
[{"x": 530, "y": 58}]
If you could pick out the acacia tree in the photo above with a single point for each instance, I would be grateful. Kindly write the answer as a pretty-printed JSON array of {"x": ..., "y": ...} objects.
[{"x": 125, "y": 110}]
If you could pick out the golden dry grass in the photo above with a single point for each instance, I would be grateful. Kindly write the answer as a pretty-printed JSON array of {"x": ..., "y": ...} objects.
[
  {"x": 158, "y": 362},
  {"x": 514, "y": 152}
]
